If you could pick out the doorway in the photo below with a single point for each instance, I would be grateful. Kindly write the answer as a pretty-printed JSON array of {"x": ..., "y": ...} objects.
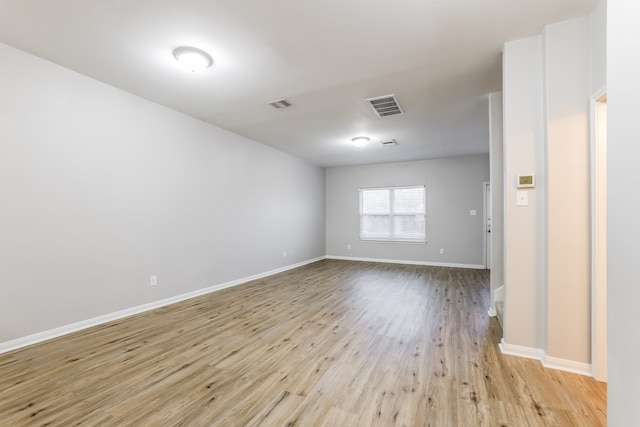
[
  {"x": 599, "y": 235},
  {"x": 487, "y": 225}
]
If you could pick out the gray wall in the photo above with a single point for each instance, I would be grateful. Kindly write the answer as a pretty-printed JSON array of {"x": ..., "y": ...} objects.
[
  {"x": 623, "y": 227},
  {"x": 496, "y": 125},
  {"x": 454, "y": 186},
  {"x": 101, "y": 189}
]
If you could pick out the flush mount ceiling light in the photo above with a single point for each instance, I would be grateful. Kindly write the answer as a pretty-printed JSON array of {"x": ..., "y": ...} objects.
[
  {"x": 360, "y": 141},
  {"x": 192, "y": 58}
]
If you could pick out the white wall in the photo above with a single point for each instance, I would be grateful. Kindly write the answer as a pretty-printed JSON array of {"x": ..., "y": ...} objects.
[
  {"x": 101, "y": 189},
  {"x": 547, "y": 85},
  {"x": 567, "y": 88},
  {"x": 623, "y": 228},
  {"x": 598, "y": 64},
  {"x": 454, "y": 186},
  {"x": 523, "y": 133},
  {"x": 497, "y": 192},
  {"x": 598, "y": 46}
]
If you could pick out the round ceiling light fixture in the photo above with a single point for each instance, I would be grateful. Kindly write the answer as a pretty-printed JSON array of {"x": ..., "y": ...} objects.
[
  {"x": 360, "y": 141},
  {"x": 192, "y": 58}
]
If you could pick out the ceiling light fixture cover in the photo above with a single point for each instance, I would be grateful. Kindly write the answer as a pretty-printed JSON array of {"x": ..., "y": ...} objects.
[
  {"x": 360, "y": 141},
  {"x": 192, "y": 58}
]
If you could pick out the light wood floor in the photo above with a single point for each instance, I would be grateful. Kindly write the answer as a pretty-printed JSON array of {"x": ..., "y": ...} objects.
[{"x": 334, "y": 343}]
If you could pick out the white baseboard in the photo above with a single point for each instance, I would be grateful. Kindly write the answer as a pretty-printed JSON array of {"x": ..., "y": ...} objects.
[
  {"x": 84, "y": 324},
  {"x": 567, "y": 365},
  {"x": 521, "y": 351},
  {"x": 399, "y": 261},
  {"x": 498, "y": 295},
  {"x": 546, "y": 361}
]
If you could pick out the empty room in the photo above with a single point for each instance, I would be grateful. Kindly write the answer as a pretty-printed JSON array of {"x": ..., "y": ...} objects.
[{"x": 337, "y": 213}]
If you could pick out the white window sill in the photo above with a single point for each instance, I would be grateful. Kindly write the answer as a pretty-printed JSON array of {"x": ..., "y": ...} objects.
[{"x": 410, "y": 242}]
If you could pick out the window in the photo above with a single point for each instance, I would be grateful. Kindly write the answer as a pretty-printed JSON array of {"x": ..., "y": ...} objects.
[{"x": 395, "y": 214}]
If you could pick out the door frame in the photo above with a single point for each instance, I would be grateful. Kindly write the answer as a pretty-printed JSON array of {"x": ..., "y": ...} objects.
[
  {"x": 486, "y": 241},
  {"x": 598, "y": 236}
]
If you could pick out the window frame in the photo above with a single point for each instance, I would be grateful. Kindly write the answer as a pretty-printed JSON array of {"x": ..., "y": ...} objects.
[{"x": 392, "y": 216}]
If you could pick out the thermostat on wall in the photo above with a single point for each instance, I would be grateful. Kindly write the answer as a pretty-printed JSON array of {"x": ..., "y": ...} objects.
[{"x": 526, "y": 181}]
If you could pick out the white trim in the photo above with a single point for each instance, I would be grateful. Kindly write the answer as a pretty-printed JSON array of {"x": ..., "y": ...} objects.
[
  {"x": 547, "y": 362},
  {"x": 400, "y": 261},
  {"x": 84, "y": 324},
  {"x": 567, "y": 365},
  {"x": 486, "y": 256},
  {"x": 497, "y": 295},
  {"x": 421, "y": 241},
  {"x": 598, "y": 236},
  {"x": 521, "y": 351}
]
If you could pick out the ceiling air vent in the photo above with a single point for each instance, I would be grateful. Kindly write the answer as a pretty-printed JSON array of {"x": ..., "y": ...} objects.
[
  {"x": 388, "y": 142},
  {"x": 385, "y": 105},
  {"x": 280, "y": 104}
]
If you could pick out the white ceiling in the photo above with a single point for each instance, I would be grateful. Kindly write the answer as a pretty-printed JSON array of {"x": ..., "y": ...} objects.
[{"x": 440, "y": 57}]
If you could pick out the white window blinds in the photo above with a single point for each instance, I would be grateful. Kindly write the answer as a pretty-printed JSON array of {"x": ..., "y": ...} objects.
[{"x": 393, "y": 214}]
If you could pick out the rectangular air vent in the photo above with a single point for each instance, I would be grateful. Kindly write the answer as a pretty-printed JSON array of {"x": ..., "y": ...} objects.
[
  {"x": 385, "y": 105},
  {"x": 388, "y": 142},
  {"x": 280, "y": 103}
]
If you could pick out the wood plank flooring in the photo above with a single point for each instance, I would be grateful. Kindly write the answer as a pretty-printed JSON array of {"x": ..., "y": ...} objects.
[{"x": 334, "y": 343}]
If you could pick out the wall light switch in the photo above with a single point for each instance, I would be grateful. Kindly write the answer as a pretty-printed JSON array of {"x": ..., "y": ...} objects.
[{"x": 522, "y": 198}]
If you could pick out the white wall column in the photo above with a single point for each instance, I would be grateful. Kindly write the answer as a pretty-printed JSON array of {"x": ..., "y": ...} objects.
[
  {"x": 623, "y": 225},
  {"x": 566, "y": 47},
  {"x": 523, "y": 133}
]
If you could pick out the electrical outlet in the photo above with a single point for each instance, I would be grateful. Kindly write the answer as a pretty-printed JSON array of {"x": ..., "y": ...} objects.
[
  {"x": 441, "y": 251},
  {"x": 284, "y": 254},
  {"x": 349, "y": 247},
  {"x": 154, "y": 280}
]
